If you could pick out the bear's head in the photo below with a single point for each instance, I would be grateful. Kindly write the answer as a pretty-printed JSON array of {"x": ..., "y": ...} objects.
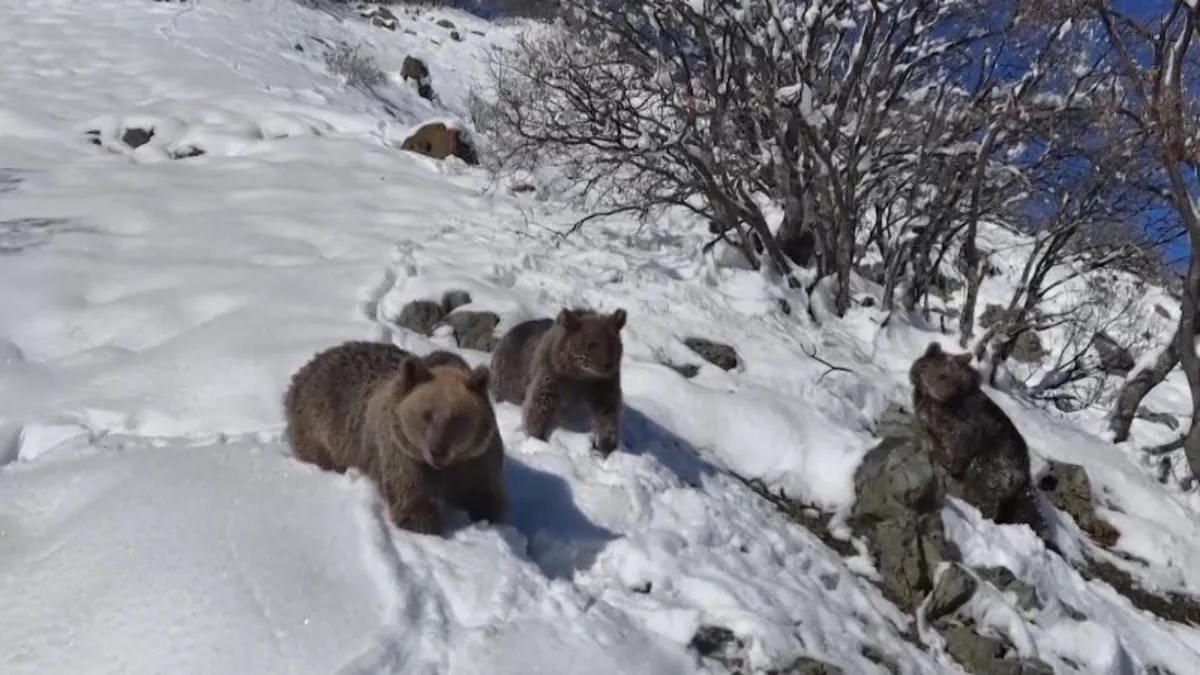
[
  {"x": 439, "y": 414},
  {"x": 588, "y": 344},
  {"x": 942, "y": 377}
]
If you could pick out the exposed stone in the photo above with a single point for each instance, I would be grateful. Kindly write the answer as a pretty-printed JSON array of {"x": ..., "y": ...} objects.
[
  {"x": 454, "y": 35},
  {"x": 976, "y": 653},
  {"x": 1070, "y": 490},
  {"x": 1115, "y": 359},
  {"x": 720, "y": 355},
  {"x": 415, "y": 69},
  {"x": 806, "y": 666},
  {"x": 446, "y": 23},
  {"x": 713, "y": 641},
  {"x": 381, "y": 17},
  {"x": 474, "y": 330},
  {"x": 136, "y": 138},
  {"x": 186, "y": 152},
  {"x": 1166, "y": 419},
  {"x": 953, "y": 589},
  {"x": 421, "y": 316},
  {"x": 438, "y": 141},
  {"x": 896, "y": 480},
  {"x": 1028, "y": 347},
  {"x": 688, "y": 370},
  {"x": 1162, "y": 311},
  {"x": 452, "y": 300},
  {"x": 1004, "y": 580}
]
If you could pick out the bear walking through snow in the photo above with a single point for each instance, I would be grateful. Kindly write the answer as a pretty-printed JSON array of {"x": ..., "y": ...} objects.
[{"x": 421, "y": 429}]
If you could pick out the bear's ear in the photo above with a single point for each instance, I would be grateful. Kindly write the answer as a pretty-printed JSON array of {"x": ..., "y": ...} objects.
[
  {"x": 478, "y": 379},
  {"x": 618, "y": 319},
  {"x": 934, "y": 349},
  {"x": 963, "y": 359},
  {"x": 413, "y": 372},
  {"x": 568, "y": 319}
]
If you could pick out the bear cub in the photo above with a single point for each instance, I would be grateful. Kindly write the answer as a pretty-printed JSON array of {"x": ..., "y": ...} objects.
[
  {"x": 421, "y": 429},
  {"x": 973, "y": 439},
  {"x": 547, "y": 365}
]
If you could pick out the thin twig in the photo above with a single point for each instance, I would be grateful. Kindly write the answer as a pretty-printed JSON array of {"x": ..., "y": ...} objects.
[{"x": 832, "y": 368}]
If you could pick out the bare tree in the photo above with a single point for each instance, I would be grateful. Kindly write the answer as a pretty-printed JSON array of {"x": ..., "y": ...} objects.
[
  {"x": 713, "y": 106},
  {"x": 1156, "y": 61}
]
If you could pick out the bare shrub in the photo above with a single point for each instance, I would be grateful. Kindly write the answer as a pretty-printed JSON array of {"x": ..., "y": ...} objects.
[{"x": 359, "y": 69}]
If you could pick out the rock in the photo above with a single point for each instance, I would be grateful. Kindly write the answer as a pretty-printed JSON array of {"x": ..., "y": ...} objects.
[
  {"x": 1004, "y": 580},
  {"x": 1070, "y": 490},
  {"x": 1115, "y": 359},
  {"x": 438, "y": 141},
  {"x": 421, "y": 316},
  {"x": 976, "y": 653},
  {"x": 807, "y": 666},
  {"x": 1028, "y": 347},
  {"x": 898, "y": 509},
  {"x": 906, "y": 553},
  {"x": 446, "y": 23},
  {"x": 381, "y": 17},
  {"x": 136, "y": 138},
  {"x": 474, "y": 330},
  {"x": 720, "y": 355},
  {"x": 896, "y": 480},
  {"x": 186, "y": 152},
  {"x": 452, "y": 300},
  {"x": 894, "y": 422},
  {"x": 953, "y": 589},
  {"x": 1162, "y": 311},
  {"x": 1166, "y": 419},
  {"x": 454, "y": 35},
  {"x": 688, "y": 370},
  {"x": 713, "y": 641},
  {"x": 415, "y": 69}
]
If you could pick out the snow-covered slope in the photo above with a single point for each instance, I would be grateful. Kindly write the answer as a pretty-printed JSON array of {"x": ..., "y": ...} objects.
[{"x": 152, "y": 310}]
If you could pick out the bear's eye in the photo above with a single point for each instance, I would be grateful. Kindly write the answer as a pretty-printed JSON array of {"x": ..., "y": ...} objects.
[{"x": 427, "y": 416}]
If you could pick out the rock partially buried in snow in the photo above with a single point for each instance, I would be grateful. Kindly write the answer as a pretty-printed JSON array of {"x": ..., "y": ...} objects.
[
  {"x": 898, "y": 509},
  {"x": 954, "y": 587},
  {"x": 474, "y": 330},
  {"x": 720, "y": 355},
  {"x": 381, "y": 17},
  {"x": 421, "y": 316},
  {"x": 1070, "y": 490},
  {"x": 136, "y": 138},
  {"x": 471, "y": 329},
  {"x": 415, "y": 69},
  {"x": 439, "y": 141}
]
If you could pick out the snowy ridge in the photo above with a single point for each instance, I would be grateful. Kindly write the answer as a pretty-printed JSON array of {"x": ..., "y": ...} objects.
[{"x": 154, "y": 308}]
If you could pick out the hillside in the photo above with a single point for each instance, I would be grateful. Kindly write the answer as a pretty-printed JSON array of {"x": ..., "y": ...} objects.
[{"x": 157, "y": 298}]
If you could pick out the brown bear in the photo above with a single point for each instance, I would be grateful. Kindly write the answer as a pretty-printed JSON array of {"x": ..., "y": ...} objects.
[
  {"x": 421, "y": 429},
  {"x": 971, "y": 437},
  {"x": 548, "y": 365}
]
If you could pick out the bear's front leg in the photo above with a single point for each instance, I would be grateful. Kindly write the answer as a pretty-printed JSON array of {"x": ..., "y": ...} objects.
[
  {"x": 414, "y": 507},
  {"x": 540, "y": 409},
  {"x": 605, "y": 407}
]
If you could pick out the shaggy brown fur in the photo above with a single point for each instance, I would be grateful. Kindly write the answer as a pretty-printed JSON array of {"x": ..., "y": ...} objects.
[
  {"x": 423, "y": 430},
  {"x": 971, "y": 437},
  {"x": 546, "y": 365}
]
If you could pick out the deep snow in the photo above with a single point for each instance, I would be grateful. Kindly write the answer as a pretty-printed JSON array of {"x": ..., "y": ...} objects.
[{"x": 152, "y": 310}]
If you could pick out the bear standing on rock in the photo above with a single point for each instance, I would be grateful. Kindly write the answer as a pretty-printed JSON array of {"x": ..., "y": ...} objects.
[
  {"x": 422, "y": 429},
  {"x": 973, "y": 440},
  {"x": 544, "y": 365}
]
